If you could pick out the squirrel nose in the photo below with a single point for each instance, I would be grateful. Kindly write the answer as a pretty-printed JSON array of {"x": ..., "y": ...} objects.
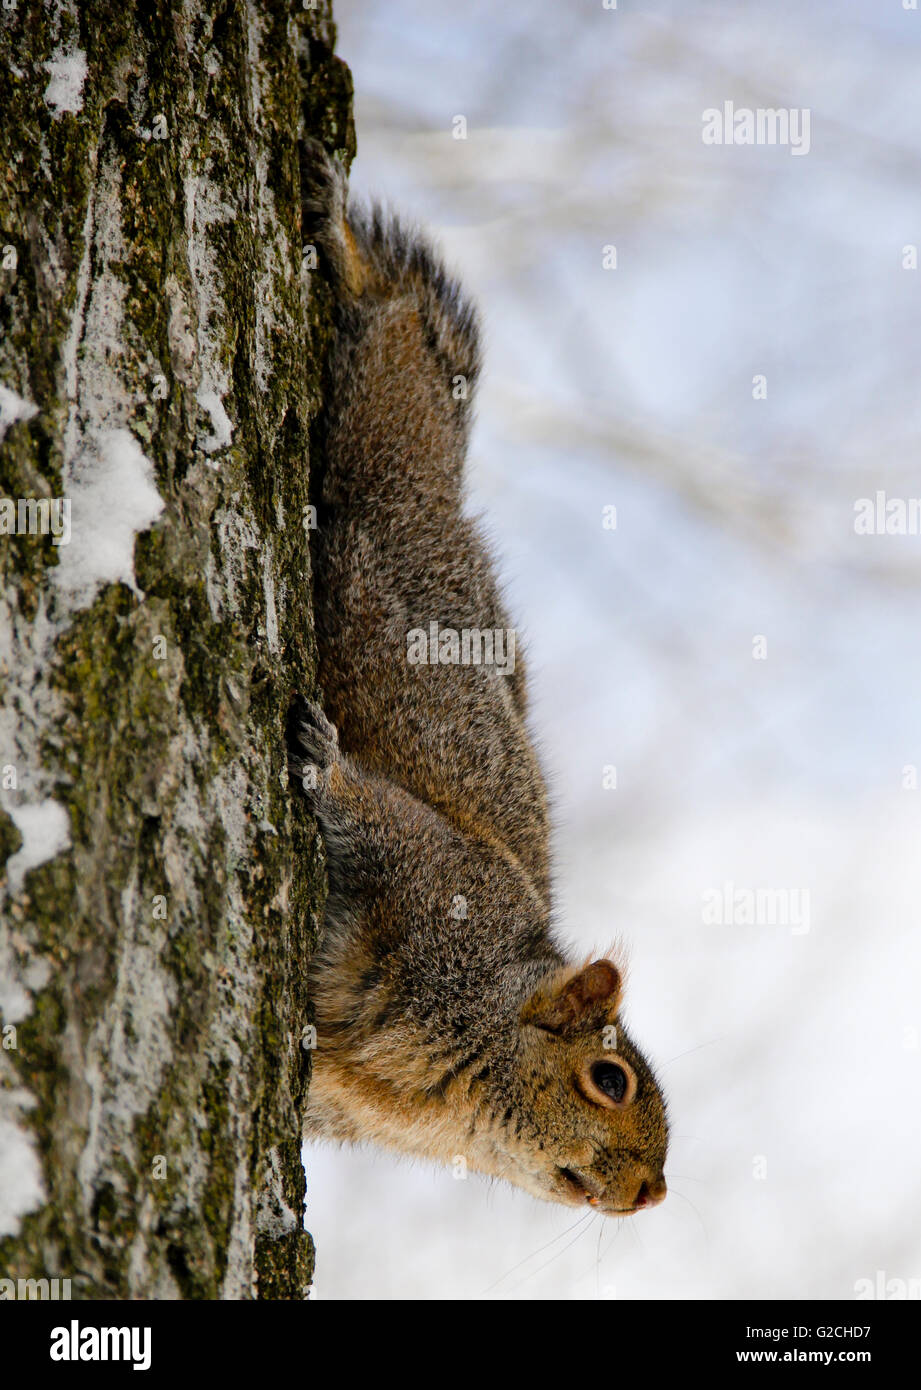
[{"x": 651, "y": 1193}]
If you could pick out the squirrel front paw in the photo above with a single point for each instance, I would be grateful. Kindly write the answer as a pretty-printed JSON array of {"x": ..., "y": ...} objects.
[{"x": 313, "y": 744}]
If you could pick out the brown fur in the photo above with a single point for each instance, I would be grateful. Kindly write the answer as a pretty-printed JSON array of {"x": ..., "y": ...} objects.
[{"x": 450, "y": 1024}]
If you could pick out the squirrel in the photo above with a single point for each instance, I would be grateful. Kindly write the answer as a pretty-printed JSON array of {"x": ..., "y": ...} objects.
[{"x": 449, "y": 1023}]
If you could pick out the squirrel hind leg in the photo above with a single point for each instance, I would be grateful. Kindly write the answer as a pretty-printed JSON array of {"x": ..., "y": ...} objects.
[
  {"x": 313, "y": 747},
  {"x": 311, "y": 737},
  {"x": 324, "y": 201}
]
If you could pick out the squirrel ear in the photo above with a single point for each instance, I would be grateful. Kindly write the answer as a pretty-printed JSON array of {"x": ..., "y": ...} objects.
[{"x": 577, "y": 1001}]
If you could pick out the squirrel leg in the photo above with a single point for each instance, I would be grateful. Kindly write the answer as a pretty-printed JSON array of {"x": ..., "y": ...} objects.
[
  {"x": 350, "y": 805},
  {"x": 317, "y": 761},
  {"x": 316, "y": 737},
  {"x": 324, "y": 197}
]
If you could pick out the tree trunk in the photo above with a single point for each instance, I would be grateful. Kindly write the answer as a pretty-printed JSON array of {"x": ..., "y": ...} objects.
[{"x": 159, "y": 371}]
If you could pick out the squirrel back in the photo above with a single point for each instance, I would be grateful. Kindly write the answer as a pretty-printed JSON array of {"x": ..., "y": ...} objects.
[{"x": 449, "y": 1022}]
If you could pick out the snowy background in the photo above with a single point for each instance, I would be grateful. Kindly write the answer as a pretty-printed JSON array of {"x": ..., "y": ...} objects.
[{"x": 791, "y": 1058}]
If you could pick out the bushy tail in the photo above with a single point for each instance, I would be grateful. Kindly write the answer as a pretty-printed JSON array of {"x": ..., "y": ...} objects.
[{"x": 373, "y": 254}]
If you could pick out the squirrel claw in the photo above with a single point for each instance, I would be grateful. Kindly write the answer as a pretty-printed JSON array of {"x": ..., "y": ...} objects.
[{"x": 316, "y": 738}]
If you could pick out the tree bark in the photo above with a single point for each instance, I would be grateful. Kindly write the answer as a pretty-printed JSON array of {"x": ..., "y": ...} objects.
[{"x": 159, "y": 369}]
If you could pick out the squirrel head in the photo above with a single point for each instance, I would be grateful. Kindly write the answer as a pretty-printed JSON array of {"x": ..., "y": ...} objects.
[{"x": 590, "y": 1095}]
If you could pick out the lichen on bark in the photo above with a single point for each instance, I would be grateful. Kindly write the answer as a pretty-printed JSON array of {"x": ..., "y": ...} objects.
[{"x": 153, "y": 969}]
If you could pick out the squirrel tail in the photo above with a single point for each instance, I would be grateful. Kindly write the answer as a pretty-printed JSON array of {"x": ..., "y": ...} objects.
[{"x": 374, "y": 256}]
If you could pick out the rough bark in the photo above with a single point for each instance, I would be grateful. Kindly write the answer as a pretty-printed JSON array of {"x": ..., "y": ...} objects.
[{"x": 162, "y": 881}]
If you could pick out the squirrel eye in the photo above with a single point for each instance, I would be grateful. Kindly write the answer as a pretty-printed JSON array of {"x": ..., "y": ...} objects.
[{"x": 611, "y": 1079}]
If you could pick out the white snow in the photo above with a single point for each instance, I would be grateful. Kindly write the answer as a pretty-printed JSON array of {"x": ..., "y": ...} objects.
[
  {"x": 45, "y": 830},
  {"x": 68, "y": 74},
  {"x": 15, "y": 1003},
  {"x": 12, "y": 408},
  {"x": 21, "y": 1186},
  {"x": 19, "y": 982},
  {"x": 223, "y": 430},
  {"x": 113, "y": 497}
]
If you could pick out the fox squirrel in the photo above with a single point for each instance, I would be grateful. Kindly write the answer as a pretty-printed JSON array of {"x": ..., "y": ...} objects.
[{"x": 450, "y": 1024}]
